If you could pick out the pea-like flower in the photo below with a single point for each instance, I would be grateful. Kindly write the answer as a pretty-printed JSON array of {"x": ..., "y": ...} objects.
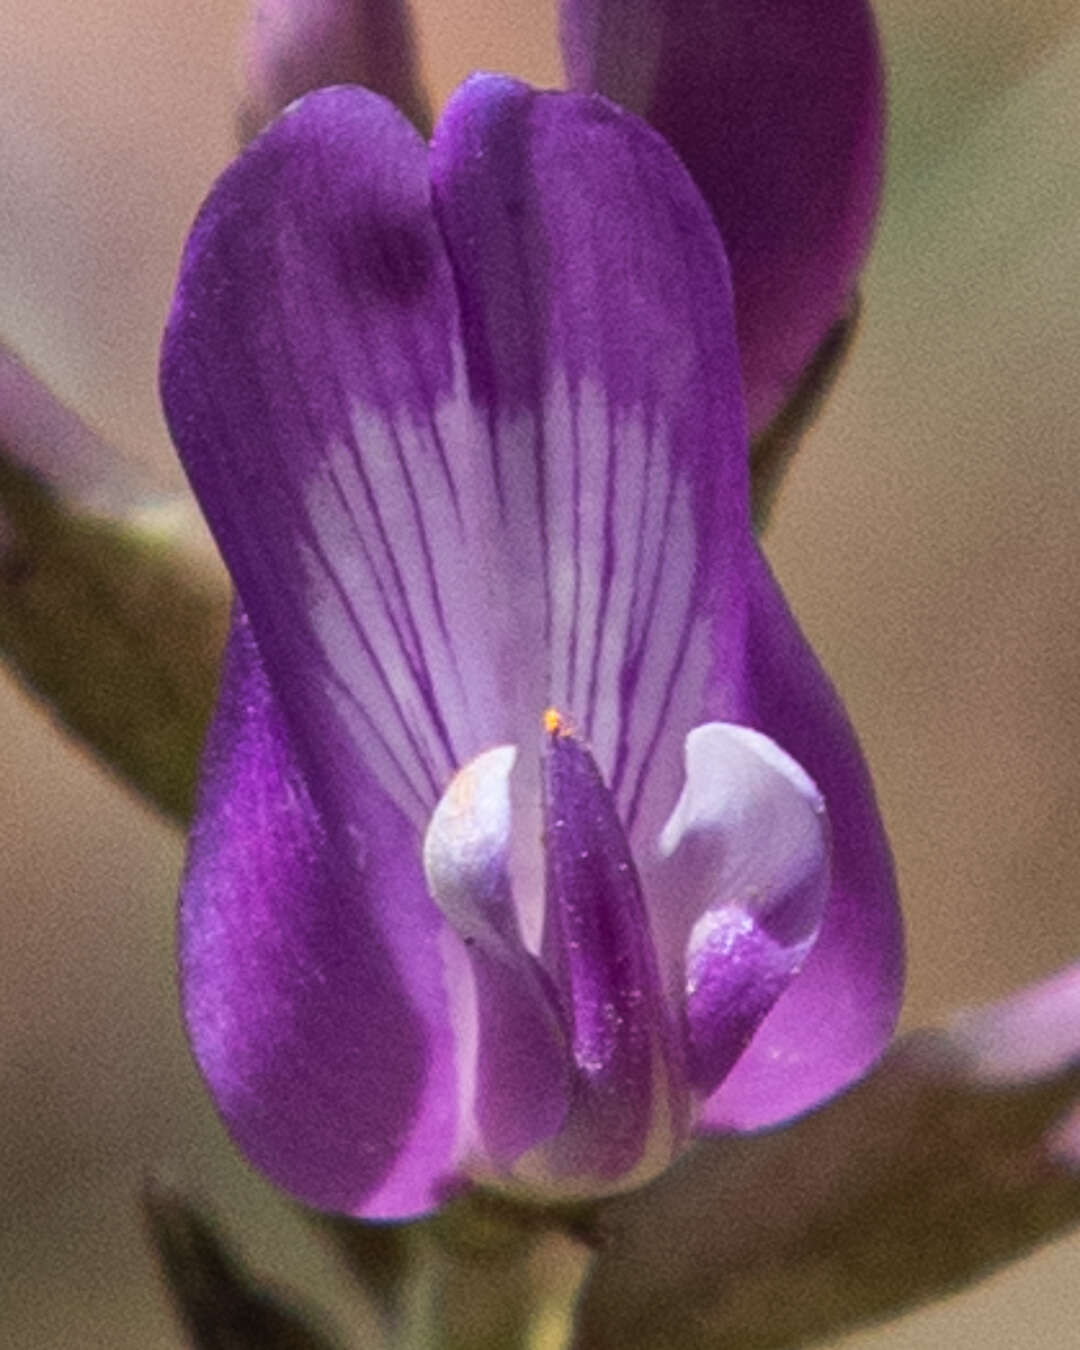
[{"x": 532, "y": 839}]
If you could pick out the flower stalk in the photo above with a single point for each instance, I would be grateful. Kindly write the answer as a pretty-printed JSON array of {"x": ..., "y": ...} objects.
[
  {"x": 117, "y": 623},
  {"x": 475, "y": 1281}
]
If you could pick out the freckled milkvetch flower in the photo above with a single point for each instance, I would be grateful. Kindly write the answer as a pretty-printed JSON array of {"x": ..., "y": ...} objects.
[{"x": 532, "y": 839}]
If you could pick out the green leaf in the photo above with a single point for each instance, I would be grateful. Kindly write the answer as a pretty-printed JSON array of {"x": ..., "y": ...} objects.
[
  {"x": 378, "y": 1256},
  {"x": 943, "y": 1164},
  {"x": 109, "y": 610},
  {"x": 219, "y": 1304}
]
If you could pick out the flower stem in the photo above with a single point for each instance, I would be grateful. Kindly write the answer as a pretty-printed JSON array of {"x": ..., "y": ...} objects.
[{"x": 488, "y": 1276}]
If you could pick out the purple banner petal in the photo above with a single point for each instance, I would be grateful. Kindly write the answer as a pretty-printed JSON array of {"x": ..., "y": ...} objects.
[
  {"x": 776, "y": 110},
  {"x": 315, "y": 1009},
  {"x": 311, "y": 374},
  {"x": 598, "y": 331},
  {"x": 463, "y": 464}
]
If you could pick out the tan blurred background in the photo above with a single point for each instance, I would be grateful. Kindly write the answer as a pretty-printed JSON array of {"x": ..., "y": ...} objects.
[{"x": 929, "y": 540}]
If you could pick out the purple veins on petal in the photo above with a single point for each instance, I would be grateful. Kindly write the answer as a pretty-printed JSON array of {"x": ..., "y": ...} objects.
[{"x": 597, "y": 322}]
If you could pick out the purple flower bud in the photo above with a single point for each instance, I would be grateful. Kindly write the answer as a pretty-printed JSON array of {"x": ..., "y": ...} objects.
[
  {"x": 294, "y": 46},
  {"x": 777, "y": 111}
]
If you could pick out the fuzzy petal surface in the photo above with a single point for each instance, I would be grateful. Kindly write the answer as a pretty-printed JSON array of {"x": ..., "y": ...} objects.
[{"x": 597, "y": 934}]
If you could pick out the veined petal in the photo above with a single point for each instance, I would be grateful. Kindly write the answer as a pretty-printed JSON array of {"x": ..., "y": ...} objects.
[
  {"x": 777, "y": 111},
  {"x": 294, "y": 46},
  {"x": 312, "y": 377},
  {"x": 315, "y": 1009},
  {"x": 520, "y": 1071},
  {"x": 835, "y": 1019},
  {"x": 747, "y": 853},
  {"x": 599, "y": 337}
]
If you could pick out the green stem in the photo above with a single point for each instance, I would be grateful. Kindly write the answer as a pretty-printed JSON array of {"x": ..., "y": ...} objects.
[
  {"x": 117, "y": 627},
  {"x": 775, "y": 448},
  {"x": 488, "y": 1276}
]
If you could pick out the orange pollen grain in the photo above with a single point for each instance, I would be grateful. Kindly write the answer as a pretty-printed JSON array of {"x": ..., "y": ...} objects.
[{"x": 555, "y": 724}]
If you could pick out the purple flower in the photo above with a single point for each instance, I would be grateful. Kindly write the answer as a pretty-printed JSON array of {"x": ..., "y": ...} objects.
[
  {"x": 532, "y": 838},
  {"x": 777, "y": 111}
]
